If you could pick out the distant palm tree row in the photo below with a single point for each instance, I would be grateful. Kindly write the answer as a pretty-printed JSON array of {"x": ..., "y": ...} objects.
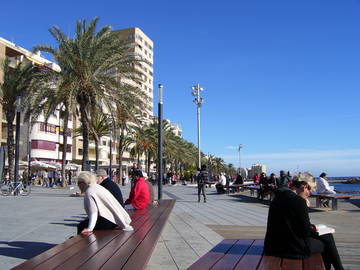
[{"x": 97, "y": 84}]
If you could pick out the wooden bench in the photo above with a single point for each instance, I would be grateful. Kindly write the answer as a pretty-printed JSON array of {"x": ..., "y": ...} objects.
[
  {"x": 252, "y": 189},
  {"x": 247, "y": 254},
  {"x": 108, "y": 249},
  {"x": 333, "y": 197}
]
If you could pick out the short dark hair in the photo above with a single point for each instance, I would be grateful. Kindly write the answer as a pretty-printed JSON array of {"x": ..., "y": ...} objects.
[
  {"x": 203, "y": 167},
  {"x": 323, "y": 174},
  {"x": 138, "y": 173},
  {"x": 298, "y": 184}
]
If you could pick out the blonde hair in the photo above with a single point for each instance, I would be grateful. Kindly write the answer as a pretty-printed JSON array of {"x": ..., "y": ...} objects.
[{"x": 86, "y": 178}]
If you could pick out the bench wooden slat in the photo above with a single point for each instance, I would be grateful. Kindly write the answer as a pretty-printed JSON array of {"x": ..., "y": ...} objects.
[
  {"x": 252, "y": 256},
  {"x": 291, "y": 264},
  {"x": 143, "y": 252},
  {"x": 30, "y": 264},
  {"x": 138, "y": 218},
  {"x": 58, "y": 259},
  {"x": 124, "y": 245},
  {"x": 235, "y": 253},
  {"x": 269, "y": 263},
  {"x": 214, "y": 255},
  {"x": 315, "y": 262}
]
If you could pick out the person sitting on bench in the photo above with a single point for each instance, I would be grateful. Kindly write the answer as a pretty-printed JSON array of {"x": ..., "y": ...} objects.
[
  {"x": 139, "y": 196},
  {"x": 289, "y": 232},
  {"x": 103, "y": 210},
  {"x": 221, "y": 184},
  {"x": 323, "y": 187}
]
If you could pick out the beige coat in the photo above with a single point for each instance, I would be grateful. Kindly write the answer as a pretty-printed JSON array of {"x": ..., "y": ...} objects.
[{"x": 98, "y": 200}]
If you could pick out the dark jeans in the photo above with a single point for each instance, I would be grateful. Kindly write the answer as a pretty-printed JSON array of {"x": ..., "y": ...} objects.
[
  {"x": 101, "y": 224},
  {"x": 201, "y": 188},
  {"x": 325, "y": 244}
]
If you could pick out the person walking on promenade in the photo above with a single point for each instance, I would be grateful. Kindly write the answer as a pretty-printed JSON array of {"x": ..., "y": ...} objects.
[
  {"x": 323, "y": 187},
  {"x": 290, "y": 234},
  {"x": 263, "y": 186},
  {"x": 284, "y": 180},
  {"x": 103, "y": 210},
  {"x": 202, "y": 178},
  {"x": 139, "y": 196},
  {"x": 256, "y": 178},
  {"x": 104, "y": 180}
]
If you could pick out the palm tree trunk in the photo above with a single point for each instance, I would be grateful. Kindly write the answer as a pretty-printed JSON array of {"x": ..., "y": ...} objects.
[
  {"x": 148, "y": 163},
  {"x": 63, "y": 161},
  {"x": 97, "y": 155},
  {"x": 121, "y": 141},
  {"x": 85, "y": 135},
  {"x": 10, "y": 143}
]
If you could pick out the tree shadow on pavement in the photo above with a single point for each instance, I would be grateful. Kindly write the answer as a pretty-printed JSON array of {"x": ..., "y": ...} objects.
[{"x": 24, "y": 250}]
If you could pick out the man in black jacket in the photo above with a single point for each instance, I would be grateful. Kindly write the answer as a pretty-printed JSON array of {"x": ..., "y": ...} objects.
[
  {"x": 289, "y": 231},
  {"x": 202, "y": 178},
  {"x": 105, "y": 181}
]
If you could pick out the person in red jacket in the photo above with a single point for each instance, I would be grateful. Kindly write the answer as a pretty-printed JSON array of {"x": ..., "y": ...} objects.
[{"x": 139, "y": 196}]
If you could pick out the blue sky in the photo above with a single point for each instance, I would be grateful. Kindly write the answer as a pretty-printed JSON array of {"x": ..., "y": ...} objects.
[{"x": 281, "y": 77}]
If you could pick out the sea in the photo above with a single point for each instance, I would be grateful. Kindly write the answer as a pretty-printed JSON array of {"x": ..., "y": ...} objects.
[{"x": 341, "y": 186}]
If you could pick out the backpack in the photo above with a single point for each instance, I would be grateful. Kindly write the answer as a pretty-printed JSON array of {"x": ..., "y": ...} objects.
[{"x": 203, "y": 177}]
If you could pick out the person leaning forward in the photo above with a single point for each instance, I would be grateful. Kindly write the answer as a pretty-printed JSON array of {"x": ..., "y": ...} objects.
[
  {"x": 290, "y": 234},
  {"x": 103, "y": 210},
  {"x": 104, "y": 180}
]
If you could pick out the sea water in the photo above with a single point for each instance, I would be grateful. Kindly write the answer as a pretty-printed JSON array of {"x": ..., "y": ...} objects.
[{"x": 354, "y": 189}]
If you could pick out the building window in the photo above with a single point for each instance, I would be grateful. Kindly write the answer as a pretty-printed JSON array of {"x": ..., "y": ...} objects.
[
  {"x": 103, "y": 142},
  {"x": 68, "y": 132},
  {"x": 131, "y": 36},
  {"x": 80, "y": 152},
  {"x": 45, "y": 145},
  {"x": 68, "y": 148},
  {"x": 47, "y": 128}
]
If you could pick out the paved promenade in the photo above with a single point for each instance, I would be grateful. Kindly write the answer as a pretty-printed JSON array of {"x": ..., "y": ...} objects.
[{"x": 33, "y": 224}]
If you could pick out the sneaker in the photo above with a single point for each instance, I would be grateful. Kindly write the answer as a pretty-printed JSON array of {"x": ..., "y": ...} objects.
[{"x": 128, "y": 229}]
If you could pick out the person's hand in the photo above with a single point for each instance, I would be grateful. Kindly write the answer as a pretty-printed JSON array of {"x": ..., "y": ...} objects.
[
  {"x": 313, "y": 227},
  {"x": 155, "y": 203},
  {"x": 86, "y": 231}
]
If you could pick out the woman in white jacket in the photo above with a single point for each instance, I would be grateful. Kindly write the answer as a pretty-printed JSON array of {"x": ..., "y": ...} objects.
[
  {"x": 322, "y": 185},
  {"x": 103, "y": 210}
]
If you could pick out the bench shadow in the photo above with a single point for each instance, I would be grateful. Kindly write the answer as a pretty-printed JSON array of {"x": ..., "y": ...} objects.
[
  {"x": 24, "y": 250},
  {"x": 355, "y": 202}
]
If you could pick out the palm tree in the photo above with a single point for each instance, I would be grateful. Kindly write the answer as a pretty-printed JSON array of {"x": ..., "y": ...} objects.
[
  {"x": 21, "y": 81},
  {"x": 100, "y": 125},
  {"x": 100, "y": 67}
]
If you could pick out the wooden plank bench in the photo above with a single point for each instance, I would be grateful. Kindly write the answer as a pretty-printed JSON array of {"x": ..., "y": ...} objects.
[
  {"x": 108, "y": 249},
  {"x": 333, "y": 197},
  {"x": 247, "y": 254},
  {"x": 252, "y": 189}
]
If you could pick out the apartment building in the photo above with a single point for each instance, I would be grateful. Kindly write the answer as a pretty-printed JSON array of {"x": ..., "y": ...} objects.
[{"x": 45, "y": 139}]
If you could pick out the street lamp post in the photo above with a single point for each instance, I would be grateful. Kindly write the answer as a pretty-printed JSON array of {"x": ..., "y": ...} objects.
[
  {"x": 198, "y": 101},
  {"x": 240, "y": 146},
  {"x": 160, "y": 140},
  {"x": 17, "y": 141}
]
